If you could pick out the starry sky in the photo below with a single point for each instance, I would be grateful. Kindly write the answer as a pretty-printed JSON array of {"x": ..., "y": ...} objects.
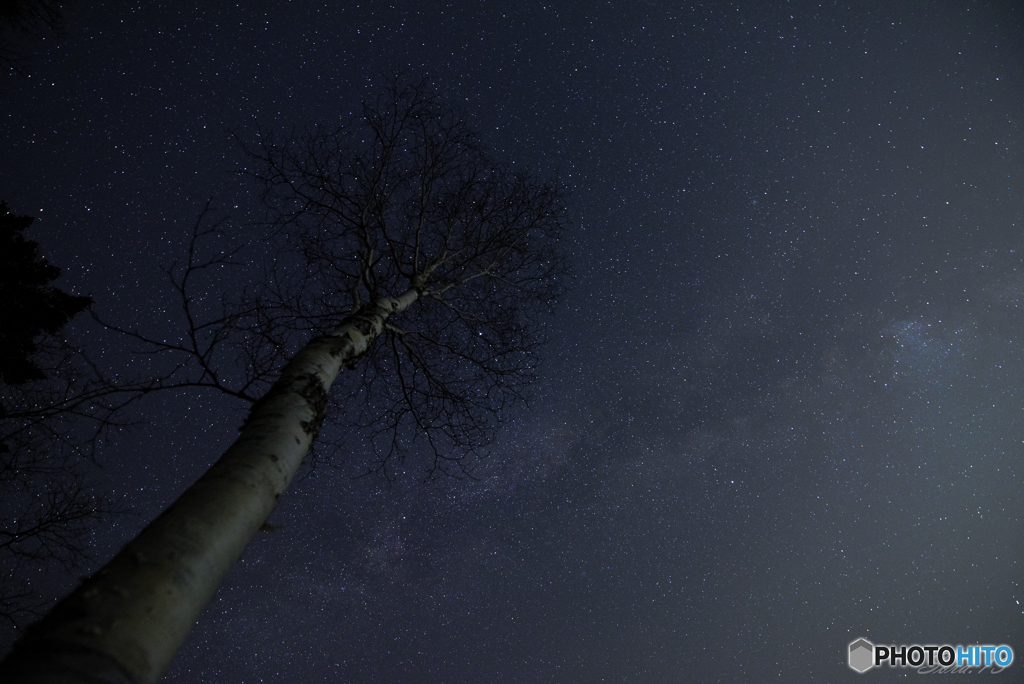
[{"x": 780, "y": 408}]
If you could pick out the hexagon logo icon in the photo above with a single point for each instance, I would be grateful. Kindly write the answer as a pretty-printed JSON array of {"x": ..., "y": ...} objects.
[{"x": 862, "y": 655}]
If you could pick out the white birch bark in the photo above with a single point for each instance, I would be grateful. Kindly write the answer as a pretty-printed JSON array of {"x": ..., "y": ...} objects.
[{"x": 126, "y": 622}]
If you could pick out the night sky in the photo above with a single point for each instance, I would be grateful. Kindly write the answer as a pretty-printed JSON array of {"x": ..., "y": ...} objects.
[{"x": 781, "y": 407}]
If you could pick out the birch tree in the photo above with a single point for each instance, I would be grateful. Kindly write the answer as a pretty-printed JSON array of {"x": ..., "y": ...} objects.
[{"x": 425, "y": 268}]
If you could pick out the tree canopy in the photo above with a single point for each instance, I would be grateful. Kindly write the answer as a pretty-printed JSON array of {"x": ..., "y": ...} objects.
[
  {"x": 54, "y": 407},
  {"x": 29, "y": 305}
]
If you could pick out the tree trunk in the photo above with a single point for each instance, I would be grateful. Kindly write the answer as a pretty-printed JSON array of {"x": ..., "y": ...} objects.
[{"x": 126, "y": 622}]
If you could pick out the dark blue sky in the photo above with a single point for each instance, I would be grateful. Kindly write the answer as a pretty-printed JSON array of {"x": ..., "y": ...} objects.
[{"x": 781, "y": 408}]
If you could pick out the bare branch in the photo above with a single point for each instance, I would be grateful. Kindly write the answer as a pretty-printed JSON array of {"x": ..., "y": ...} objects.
[{"x": 407, "y": 195}]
